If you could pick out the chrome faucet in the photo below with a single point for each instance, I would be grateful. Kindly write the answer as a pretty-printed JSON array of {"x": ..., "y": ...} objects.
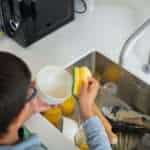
[{"x": 128, "y": 45}]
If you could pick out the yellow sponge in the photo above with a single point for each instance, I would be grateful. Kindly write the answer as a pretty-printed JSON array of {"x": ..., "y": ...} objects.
[{"x": 80, "y": 75}]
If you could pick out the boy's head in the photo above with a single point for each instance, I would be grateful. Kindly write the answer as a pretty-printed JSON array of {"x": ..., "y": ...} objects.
[
  {"x": 15, "y": 83},
  {"x": 15, "y": 79}
]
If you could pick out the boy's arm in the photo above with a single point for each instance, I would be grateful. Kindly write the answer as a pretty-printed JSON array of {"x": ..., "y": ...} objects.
[
  {"x": 95, "y": 132},
  {"x": 96, "y": 136}
]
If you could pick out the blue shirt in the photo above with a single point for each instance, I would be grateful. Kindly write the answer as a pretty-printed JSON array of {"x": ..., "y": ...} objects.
[
  {"x": 94, "y": 130},
  {"x": 96, "y": 136}
]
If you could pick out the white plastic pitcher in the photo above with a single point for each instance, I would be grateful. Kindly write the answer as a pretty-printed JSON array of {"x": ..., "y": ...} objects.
[{"x": 54, "y": 84}]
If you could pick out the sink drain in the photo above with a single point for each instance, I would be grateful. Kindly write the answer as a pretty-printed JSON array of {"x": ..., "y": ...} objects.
[{"x": 146, "y": 69}]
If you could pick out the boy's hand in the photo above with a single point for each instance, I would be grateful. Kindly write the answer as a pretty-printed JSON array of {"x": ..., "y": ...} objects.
[
  {"x": 87, "y": 98},
  {"x": 39, "y": 105},
  {"x": 36, "y": 105}
]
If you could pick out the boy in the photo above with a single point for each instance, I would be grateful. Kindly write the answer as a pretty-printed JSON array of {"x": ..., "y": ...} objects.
[{"x": 18, "y": 102}]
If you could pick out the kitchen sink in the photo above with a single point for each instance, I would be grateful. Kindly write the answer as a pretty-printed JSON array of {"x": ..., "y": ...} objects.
[
  {"x": 125, "y": 89},
  {"x": 131, "y": 90}
]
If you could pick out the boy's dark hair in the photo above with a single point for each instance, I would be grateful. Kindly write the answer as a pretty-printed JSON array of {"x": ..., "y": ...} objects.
[{"x": 15, "y": 78}]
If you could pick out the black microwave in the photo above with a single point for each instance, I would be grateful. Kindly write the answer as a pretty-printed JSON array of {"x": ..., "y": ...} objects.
[{"x": 26, "y": 21}]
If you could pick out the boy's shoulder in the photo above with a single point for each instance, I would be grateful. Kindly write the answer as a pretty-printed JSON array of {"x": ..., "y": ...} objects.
[{"x": 32, "y": 143}]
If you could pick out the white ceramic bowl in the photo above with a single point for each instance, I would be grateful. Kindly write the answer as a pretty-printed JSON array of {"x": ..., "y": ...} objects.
[{"x": 54, "y": 84}]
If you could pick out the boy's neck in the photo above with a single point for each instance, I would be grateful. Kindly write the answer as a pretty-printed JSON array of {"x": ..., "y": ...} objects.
[{"x": 10, "y": 138}]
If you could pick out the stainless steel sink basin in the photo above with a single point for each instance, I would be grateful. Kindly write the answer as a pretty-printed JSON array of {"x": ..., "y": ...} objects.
[
  {"x": 128, "y": 90},
  {"x": 131, "y": 90}
]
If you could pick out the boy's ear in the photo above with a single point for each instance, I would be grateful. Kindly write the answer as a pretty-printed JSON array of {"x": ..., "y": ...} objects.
[{"x": 33, "y": 83}]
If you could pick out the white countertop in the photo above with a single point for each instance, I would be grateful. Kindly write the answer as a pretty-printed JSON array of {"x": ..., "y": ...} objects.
[{"x": 104, "y": 29}]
